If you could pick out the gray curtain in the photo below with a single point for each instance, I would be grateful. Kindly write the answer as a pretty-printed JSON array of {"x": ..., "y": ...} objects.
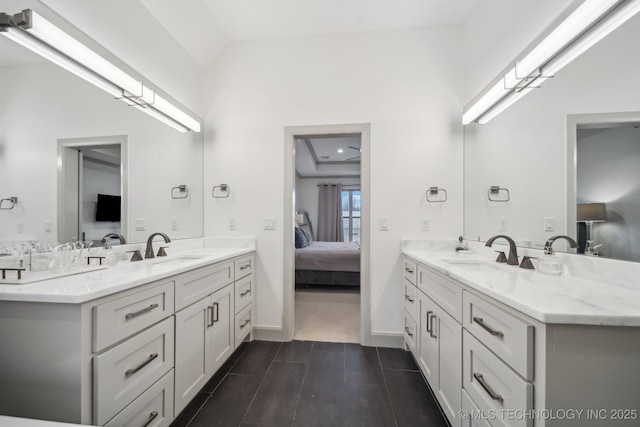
[{"x": 330, "y": 213}]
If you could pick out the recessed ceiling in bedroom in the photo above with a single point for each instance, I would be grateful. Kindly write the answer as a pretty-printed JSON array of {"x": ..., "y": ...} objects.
[{"x": 328, "y": 155}]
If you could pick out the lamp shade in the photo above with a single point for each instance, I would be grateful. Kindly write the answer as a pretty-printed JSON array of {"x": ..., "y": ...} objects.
[{"x": 593, "y": 212}]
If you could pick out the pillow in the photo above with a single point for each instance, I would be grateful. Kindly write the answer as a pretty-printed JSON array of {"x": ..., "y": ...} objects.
[
  {"x": 307, "y": 235},
  {"x": 301, "y": 241}
]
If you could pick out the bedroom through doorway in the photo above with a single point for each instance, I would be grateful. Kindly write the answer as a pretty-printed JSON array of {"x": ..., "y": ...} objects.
[{"x": 327, "y": 237}]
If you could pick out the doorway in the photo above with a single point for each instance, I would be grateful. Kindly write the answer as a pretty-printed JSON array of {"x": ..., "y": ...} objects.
[
  {"x": 92, "y": 190},
  {"x": 356, "y": 223}
]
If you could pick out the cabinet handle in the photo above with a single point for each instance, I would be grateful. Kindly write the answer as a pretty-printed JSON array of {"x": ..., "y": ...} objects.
[
  {"x": 217, "y": 308},
  {"x": 248, "y": 291},
  {"x": 406, "y": 328},
  {"x": 152, "y": 416},
  {"x": 408, "y": 270},
  {"x": 246, "y": 322},
  {"x": 429, "y": 313},
  {"x": 210, "y": 322},
  {"x": 420, "y": 279},
  {"x": 486, "y": 388},
  {"x": 408, "y": 298},
  {"x": 244, "y": 267},
  {"x": 484, "y": 326},
  {"x": 130, "y": 316},
  {"x": 132, "y": 371},
  {"x": 432, "y": 332}
]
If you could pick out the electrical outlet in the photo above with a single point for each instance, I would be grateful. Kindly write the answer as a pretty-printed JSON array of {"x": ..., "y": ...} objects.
[
  {"x": 141, "y": 224},
  {"x": 384, "y": 223},
  {"x": 426, "y": 226},
  {"x": 503, "y": 224},
  {"x": 48, "y": 226},
  {"x": 174, "y": 224},
  {"x": 549, "y": 223},
  {"x": 269, "y": 223},
  {"x": 231, "y": 224},
  {"x": 20, "y": 227}
]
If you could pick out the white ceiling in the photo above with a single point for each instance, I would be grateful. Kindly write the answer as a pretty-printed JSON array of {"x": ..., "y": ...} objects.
[
  {"x": 328, "y": 156},
  {"x": 204, "y": 27}
]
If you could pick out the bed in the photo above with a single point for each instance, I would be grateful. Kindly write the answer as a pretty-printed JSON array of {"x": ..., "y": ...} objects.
[{"x": 328, "y": 263}]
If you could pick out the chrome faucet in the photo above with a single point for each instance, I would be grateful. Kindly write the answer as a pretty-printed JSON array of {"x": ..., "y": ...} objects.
[
  {"x": 548, "y": 250},
  {"x": 513, "y": 254},
  {"x": 149, "y": 252},
  {"x": 120, "y": 237}
]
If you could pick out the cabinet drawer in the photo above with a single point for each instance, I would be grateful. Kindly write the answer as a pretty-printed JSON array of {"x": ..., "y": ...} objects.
[
  {"x": 410, "y": 270},
  {"x": 411, "y": 299},
  {"x": 244, "y": 292},
  {"x": 124, "y": 372},
  {"x": 446, "y": 293},
  {"x": 243, "y": 324},
  {"x": 492, "y": 385},
  {"x": 120, "y": 318},
  {"x": 410, "y": 333},
  {"x": 154, "y": 408},
  {"x": 195, "y": 285},
  {"x": 244, "y": 266},
  {"x": 505, "y": 334},
  {"x": 474, "y": 418}
]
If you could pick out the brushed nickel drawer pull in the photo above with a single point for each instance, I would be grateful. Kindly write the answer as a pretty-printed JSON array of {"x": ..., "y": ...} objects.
[
  {"x": 432, "y": 332},
  {"x": 217, "y": 310},
  {"x": 244, "y": 267},
  {"x": 406, "y": 328},
  {"x": 248, "y": 291},
  {"x": 484, "y": 326},
  {"x": 246, "y": 322},
  {"x": 132, "y": 371},
  {"x": 486, "y": 388},
  {"x": 408, "y": 298},
  {"x": 130, "y": 316},
  {"x": 210, "y": 322},
  {"x": 152, "y": 417},
  {"x": 408, "y": 270},
  {"x": 429, "y": 313}
]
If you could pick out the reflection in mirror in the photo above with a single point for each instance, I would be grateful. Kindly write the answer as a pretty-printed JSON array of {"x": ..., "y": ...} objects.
[
  {"x": 43, "y": 104},
  {"x": 529, "y": 150}
]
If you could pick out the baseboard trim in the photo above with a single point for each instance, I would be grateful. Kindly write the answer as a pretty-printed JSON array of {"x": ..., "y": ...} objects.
[
  {"x": 268, "y": 333},
  {"x": 386, "y": 339}
]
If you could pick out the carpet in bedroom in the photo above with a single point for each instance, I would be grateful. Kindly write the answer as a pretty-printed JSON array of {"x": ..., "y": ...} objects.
[{"x": 327, "y": 314}]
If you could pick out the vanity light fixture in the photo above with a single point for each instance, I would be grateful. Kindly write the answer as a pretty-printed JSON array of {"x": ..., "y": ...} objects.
[
  {"x": 34, "y": 32},
  {"x": 589, "y": 22}
]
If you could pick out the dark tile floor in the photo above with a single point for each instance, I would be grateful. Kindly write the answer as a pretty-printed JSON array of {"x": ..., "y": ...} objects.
[{"x": 303, "y": 383}]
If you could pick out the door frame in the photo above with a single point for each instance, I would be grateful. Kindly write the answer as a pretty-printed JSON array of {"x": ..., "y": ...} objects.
[{"x": 290, "y": 133}]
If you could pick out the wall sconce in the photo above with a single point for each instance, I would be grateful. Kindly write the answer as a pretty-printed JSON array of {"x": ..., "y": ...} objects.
[
  {"x": 34, "y": 32},
  {"x": 432, "y": 194},
  {"x": 220, "y": 191},
  {"x": 586, "y": 25},
  {"x": 182, "y": 192},
  {"x": 494, "y": 194},
  {"x": 590, "y": 213},
  {"x": 9, "y": 203}
]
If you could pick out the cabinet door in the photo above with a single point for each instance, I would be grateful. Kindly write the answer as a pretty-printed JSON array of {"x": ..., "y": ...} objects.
[
  {"x": 449, "y": 334},
  {"x": 192, "y": 338},
  {"x": 428, "y": 348},
  {"x": 220, "y": 328}
]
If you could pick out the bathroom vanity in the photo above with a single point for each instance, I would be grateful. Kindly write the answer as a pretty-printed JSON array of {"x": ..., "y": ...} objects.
[
  {"x": 504, "y": 346},
  {"x": 128, "y": 345}
]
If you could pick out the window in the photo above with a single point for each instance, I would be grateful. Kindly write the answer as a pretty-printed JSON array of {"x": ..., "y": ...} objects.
[{"x": 351, "y": 215}]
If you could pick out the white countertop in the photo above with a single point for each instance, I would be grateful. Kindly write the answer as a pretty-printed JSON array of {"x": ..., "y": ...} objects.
[
  {"x": 27, "y": 422},
  {"x": 562, "y": 299},
  {"x": 84, "y": 287}
]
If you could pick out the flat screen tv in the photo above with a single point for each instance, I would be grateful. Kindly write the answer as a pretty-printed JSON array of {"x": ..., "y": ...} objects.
[{"x": 108, "y": 208}]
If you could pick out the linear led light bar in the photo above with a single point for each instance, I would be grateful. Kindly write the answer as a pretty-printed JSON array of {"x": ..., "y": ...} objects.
[
  {"x": 45, "y": 39},
  {"x": 553, "y": 50}
]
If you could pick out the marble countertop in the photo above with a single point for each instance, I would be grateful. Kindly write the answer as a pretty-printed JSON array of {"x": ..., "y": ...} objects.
[
  {"x": 563, "y": 299},
  {"x": 27, "y": 422},
  {"x": 125, "y": 275}
]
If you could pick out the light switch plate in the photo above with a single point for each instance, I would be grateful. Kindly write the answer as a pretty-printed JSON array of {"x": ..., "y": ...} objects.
[
  {"x": 426, "y": 226},
  {"x": 384, "y": 223},
  {"x": 549, "y": 223},
  {"x": 141, "y": 224},
  {"x": 174, "y": 224},
  {"x": 269, "y": 223},
  {"x": 48, "y": 226},
  {"x": 231, "y": 224},
  {"x": 503, "y": 224},
  {"x": 20, "y": 227}
]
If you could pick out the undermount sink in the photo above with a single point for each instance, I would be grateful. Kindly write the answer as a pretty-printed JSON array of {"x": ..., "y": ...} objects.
[
  {"x": 177, "y": 261},
  {"x": 472, "y": 265}
]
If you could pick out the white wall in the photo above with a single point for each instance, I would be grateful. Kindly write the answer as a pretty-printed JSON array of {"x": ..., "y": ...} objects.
[
  {"x": 42, "y": 103},
  {"x": 97, "y": 179},
  {"x": 407, "y": 84},
  {"x": 607, "y": 172},
  {"x": 307, "y": 193}
]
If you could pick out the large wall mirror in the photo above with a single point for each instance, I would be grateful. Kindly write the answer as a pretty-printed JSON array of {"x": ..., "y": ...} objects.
[
  {"x": 57, "y": 129},
  {"x": 570, "y": 145}
]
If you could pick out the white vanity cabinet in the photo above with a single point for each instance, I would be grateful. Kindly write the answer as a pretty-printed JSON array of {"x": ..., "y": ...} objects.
[{"x": 134, "y": 357}]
